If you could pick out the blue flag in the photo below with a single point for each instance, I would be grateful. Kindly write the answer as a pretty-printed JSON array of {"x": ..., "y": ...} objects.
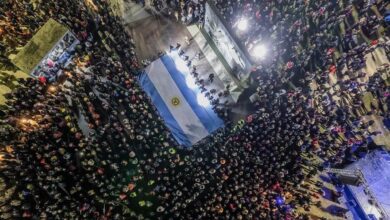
[{"x": 185, "y": 110}]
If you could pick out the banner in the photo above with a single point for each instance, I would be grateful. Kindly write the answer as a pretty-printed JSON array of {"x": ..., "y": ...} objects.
[{"x": 177, "y": 103}]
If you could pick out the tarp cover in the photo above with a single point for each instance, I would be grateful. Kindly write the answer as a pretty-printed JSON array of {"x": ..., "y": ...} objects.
[{"x": 41, "y": 43}]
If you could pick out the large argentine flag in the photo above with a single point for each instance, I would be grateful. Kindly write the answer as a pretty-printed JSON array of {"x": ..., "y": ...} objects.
[{"x": 178, "y": 104}]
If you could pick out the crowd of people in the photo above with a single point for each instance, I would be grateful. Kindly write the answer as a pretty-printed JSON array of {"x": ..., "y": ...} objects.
[
  {"x": 186, "y": 12},
  {"x": 18, "y": 23},
  {"x": 93, "y": 147}
]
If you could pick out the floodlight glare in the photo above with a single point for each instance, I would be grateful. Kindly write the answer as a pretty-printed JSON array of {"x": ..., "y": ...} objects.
[
  {"x": 182, "y": 66},
  {"x": 180, "y": 63},
  {"x": 259, "y": 51},
  {"x": 202, "y": 100},
  {"x": 191, "y": 82},
  {"x": 242, "y": 24}
]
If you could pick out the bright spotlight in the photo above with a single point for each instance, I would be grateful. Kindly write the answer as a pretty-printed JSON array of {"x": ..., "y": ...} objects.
[
  {"x": 191, "y": 82},
  {"x": 242, "y": 24},
  {"x": 202, "y": 100},
  {"x": 180, "y": 63},
  {"x": 23, "y": 120},
  {"x": 259, "y": 51},
  {"x": 182, "y": 66},
  {"x": 52, "y": 89}
]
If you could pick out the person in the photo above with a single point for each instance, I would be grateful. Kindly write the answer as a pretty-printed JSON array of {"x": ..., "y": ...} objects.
[
  {"x": 211, "y": 77},
  {"x": 95, "y": 147},
  {"x": 387, "y": 18}
]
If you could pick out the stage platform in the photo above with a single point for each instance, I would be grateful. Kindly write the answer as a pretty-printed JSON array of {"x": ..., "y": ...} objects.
[
  {"x": 156, "y": 33},
  {"x": 375, "y": 168}
]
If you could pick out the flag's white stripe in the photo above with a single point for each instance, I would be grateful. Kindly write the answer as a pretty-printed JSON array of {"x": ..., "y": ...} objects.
[{"x": 183, "y": 113}]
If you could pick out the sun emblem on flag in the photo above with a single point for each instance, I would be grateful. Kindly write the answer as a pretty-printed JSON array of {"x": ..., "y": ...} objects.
[{"x": 175, "y": 101}]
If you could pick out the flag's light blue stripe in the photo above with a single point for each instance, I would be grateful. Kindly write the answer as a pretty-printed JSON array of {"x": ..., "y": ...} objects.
[
  {"x": 207, "y": 116},
  {"x": 164, "y": 112},
  {"x": 182, "y": 113}
]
